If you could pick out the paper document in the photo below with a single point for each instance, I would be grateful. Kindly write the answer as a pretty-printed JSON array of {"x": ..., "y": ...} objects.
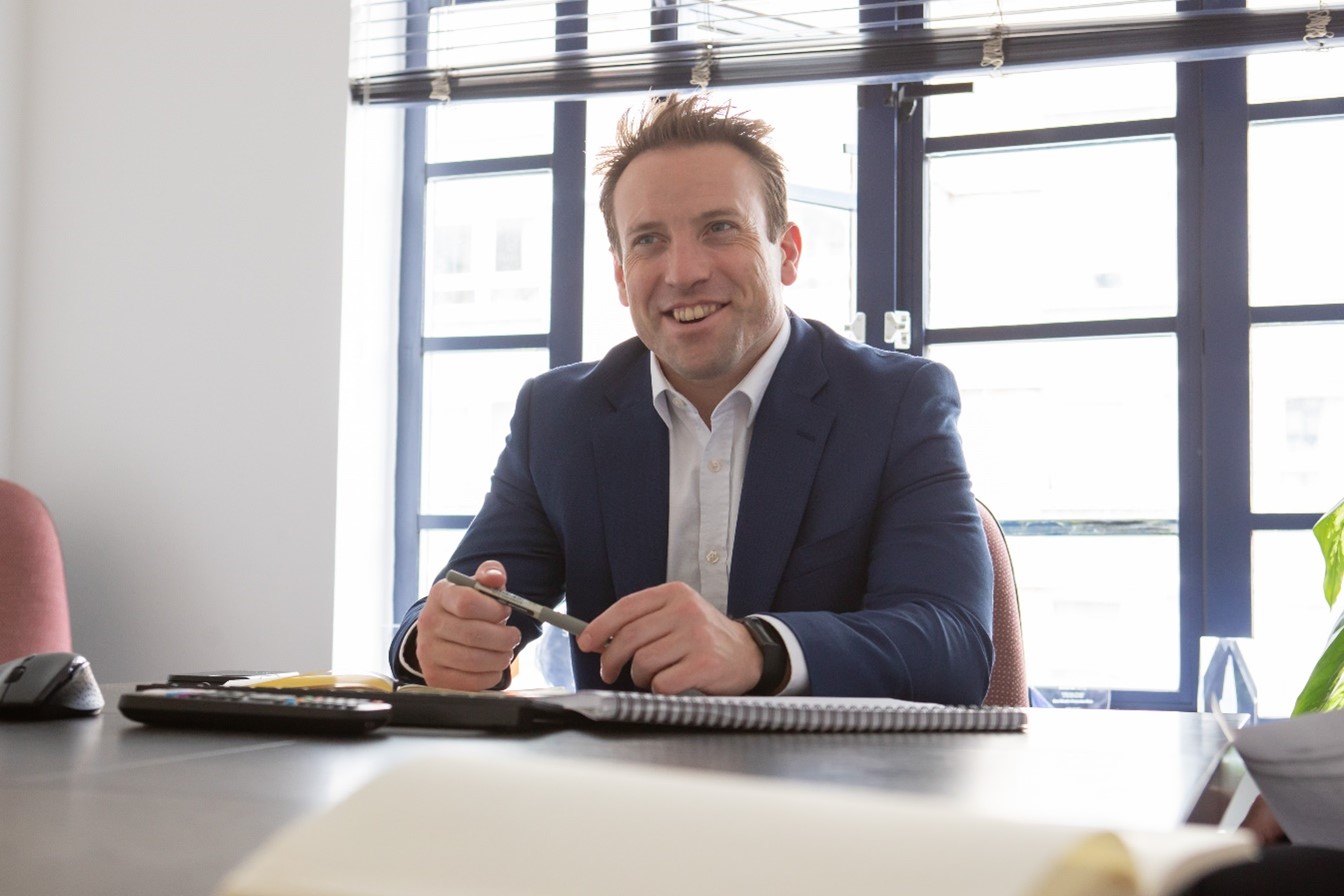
[
  {"x": 1298, "y": 764},
  {"x": 488, "y": 825}
]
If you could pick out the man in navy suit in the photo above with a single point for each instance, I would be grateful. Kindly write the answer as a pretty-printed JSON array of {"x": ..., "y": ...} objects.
[{"x": 740, "y": 501}]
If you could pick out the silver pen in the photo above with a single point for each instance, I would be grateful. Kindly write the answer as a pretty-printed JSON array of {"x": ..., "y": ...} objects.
[{"x": 571, "y": 624}]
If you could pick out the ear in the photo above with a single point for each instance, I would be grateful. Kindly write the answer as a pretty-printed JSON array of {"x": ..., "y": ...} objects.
[
  {"x": 791, "y": 249},
  {"x": 618, "y": 270}
]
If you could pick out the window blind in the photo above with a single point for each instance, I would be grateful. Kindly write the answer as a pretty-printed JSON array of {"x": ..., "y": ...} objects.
[{"x": 417, "y": 51}]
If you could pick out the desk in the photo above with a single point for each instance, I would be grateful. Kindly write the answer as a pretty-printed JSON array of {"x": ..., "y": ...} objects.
[{"x": 108, "y": 806}]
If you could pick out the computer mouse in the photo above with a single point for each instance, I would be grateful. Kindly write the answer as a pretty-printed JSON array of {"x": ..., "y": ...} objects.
[{"x": 48, "y": 686}]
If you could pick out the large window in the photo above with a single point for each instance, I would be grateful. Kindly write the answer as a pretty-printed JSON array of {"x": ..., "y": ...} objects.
[{"x": 1126, "y": 266}]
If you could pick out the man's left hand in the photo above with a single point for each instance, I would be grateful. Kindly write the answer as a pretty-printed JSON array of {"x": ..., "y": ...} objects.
[{"x": 674, "y": 640}]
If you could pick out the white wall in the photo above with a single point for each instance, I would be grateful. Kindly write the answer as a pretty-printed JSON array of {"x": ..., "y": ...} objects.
[
  {"x": 12, "y": 19},
  {"x": 174, "y": 396}
]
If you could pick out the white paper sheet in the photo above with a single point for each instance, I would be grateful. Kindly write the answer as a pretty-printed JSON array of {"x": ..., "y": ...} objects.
[
  {"x": 489, "y": 825},
  {"x": 1298, "y": 764}
]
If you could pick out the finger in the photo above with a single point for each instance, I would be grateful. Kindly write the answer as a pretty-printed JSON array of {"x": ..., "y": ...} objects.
[
  {"x": 492, "y": 574},
  {"x": 675, "y": 680},
  {"x": 467, "y": 603},
  {"x": 451, "y": 666},
  {"x": 650, "y": 645},
  {"x": 468, "y": 657},
  {"x": 455, "y": 680},
  {"x": 603, "y": 630},
  {"x": 481, "y": 634},
  {"x": 660, "y": 659}
]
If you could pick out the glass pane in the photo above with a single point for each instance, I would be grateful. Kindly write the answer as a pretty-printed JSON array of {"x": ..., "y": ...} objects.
[
  {"x": 816, "y": 127},
  {"x": 469, "y": 400},
  {"x": 1040, "y": 235},
  {"x": 1297, "y": 418},
  {"x": 1027, "y": 100},
  {"x": 1298, "y": 74},
  {"x": 457, "y": 132},
  {"x": 436, "y": 547},
  {"x": 1294, "y": 210},
  {"x": 1290, "y": 620},
  {"x": 605, "y": 320},
  {"x": 475, "y": 34},
  {"x": 984, "y": 13},
  {"x": 377, "y": 42},
  {"x": 617, "y": 25},
  {"x": 1100, "y": 611},
  {"x": 1301, "y": 72},
  {"x": 1070, "y": 429},
  {"x": 488, "y": 255},
  {"x": 744, "y": 20},
  {"x": 824, "y": 289}
]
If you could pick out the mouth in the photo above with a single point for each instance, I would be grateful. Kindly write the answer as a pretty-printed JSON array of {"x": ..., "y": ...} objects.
[{"x": 692, "y": 313}]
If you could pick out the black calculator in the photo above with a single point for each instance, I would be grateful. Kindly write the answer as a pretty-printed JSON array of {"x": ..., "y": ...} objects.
[{"x": 256, "y": 709}]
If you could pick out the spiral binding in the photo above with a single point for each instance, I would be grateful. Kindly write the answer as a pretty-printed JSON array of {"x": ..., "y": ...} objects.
[{"x": 801, "y": 714}]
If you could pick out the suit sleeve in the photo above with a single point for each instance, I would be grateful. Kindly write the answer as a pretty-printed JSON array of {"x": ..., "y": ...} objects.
[{"x": 922, "y": 629}]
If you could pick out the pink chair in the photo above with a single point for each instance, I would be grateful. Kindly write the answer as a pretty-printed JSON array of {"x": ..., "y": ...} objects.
[
  {"x": 1008, "y": 677},
  {"x": 34, "y": 614}
]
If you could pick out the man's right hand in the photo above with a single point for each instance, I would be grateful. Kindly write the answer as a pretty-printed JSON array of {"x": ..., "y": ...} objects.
[{"x": 462, "y": 641}]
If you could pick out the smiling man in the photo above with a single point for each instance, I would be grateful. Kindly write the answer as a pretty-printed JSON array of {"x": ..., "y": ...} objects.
[{"x": 740, "y": 501}]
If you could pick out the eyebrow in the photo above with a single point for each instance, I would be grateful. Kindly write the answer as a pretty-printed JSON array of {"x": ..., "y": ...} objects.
[{"x": 712, "y": 214}]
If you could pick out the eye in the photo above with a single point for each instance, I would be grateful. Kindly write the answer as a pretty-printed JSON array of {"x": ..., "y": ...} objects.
[{"x": 721, "y": 227}]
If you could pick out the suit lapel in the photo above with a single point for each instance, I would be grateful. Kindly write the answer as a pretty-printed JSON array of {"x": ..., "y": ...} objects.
[
  {"x": 630, "y": 445},
  {"x": 787, "y": 440}
]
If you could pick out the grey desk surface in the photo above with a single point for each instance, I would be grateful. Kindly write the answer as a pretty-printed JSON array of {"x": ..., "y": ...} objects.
[{"x": 105, "y": 805}]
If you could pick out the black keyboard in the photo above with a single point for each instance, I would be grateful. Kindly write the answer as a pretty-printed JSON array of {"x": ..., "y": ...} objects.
[{"x": 255, "y": 709}]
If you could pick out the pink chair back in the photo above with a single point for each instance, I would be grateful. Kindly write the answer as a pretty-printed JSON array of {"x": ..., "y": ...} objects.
[
  {"x": 34, "y": 613},
  {"x": 1008, "y": 677}
]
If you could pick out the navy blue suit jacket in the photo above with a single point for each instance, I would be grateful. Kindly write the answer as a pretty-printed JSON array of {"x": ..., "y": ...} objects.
[{"x": 856, "y": 525}]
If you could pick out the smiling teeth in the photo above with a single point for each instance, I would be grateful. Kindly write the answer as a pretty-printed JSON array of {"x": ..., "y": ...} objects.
[{"x": 695, "y": 312}]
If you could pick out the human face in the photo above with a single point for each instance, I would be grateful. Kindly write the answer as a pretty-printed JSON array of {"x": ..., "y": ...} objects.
[{"x": 695, "y": 266}]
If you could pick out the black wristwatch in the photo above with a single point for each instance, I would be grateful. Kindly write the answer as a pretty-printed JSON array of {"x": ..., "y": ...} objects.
[{"x": 774, "y": 656}]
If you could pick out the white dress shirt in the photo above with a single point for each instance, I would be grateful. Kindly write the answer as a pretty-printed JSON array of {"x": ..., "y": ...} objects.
[{"x": 705, "y": 484}]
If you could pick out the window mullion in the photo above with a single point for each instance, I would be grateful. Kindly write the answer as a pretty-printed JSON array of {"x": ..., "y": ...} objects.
[
  {"x": 1189, "y": 131},
  {"x": 568, "y": 179},
  {"x": 875, "y": 209},
  {"x": 1224, "y": 298},
  {"x": 410, "y": 351}
]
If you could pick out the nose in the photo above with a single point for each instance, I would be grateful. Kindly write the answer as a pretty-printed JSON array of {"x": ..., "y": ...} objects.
[{"x": 687, "y": 263}]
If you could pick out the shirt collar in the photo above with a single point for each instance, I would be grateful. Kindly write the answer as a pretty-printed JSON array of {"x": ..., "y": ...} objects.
[{"x": 753, "y": 385}]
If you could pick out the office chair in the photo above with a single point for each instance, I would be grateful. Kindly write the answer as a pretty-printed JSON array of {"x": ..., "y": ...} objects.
[
  {"x": 34, "y": 613},
  {"x": 1008, "y": 677}
]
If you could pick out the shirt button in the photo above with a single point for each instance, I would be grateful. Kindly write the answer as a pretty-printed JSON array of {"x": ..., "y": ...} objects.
[
  {"x": 715, "y": 466},
  {"x": 712, "y": 556}
]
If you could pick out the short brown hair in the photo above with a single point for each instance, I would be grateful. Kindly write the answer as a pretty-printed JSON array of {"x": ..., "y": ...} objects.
[{"x": 674, "y": 121}]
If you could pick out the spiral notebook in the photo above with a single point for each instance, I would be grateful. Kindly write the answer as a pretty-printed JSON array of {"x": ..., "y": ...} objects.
[{"x": 786, "y": 713}]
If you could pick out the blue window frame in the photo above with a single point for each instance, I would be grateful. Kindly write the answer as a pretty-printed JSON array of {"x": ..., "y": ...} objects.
[{"x": 1211, "y": 325}]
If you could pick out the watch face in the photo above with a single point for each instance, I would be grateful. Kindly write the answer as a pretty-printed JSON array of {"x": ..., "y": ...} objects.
[{"x": 764, "y": 633}]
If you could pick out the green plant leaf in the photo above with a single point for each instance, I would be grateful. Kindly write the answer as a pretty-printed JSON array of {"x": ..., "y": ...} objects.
[
  {"x": 1325, "y": 686},
  {"x": 1329, "y": 531}
]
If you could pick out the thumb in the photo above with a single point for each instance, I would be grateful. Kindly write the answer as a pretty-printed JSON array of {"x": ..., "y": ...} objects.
[{"x": 491, "y": 574}]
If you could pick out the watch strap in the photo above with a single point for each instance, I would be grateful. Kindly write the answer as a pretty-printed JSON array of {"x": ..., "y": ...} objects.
[{"x": 774, "y": 656}]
